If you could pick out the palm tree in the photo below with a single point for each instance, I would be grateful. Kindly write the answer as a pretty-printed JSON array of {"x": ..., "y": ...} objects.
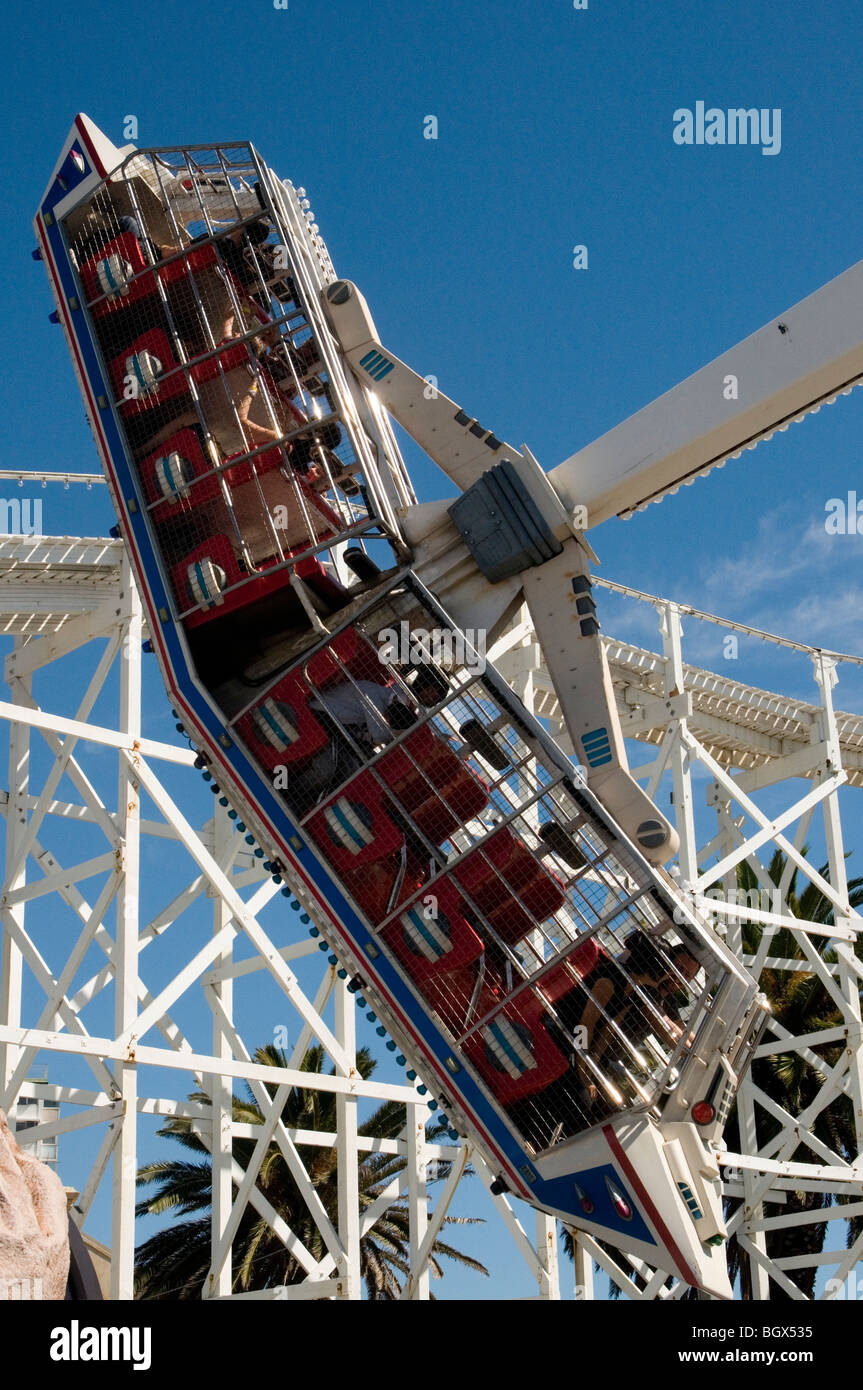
[{"x": 173, "y": 1263}]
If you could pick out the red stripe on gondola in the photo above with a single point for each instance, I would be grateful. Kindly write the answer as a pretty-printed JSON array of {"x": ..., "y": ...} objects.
[
  {"x": 640, "y": 1191},
  {"x": 98, "y": 166}
]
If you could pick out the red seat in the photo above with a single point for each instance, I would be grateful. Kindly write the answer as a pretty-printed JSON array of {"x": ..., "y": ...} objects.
[
  {"x": 433, "y": 785},
  {"x": 349, "y": 652},
  {"x": 231, "y": 355},
  {"x": 509, "y": 886},
  {"x": 179, "y": 478},
  {"x": 324, "y": 585},
  {"x": 500, "y": 861},
  {"x": 354, "y": 828},
  {"x": 281, "y": 729},
  {"x": 275, "y": 509},
  {"x": 238, "y": 474},
  {"x": 404, "y": 766},
  {"x": 202, "y": 576},
  {"x": 565, "y": 976},
  {"x": 450, "y": 994},
  {"x": 195, "y": 260},
  {"x": 456, "y": 802},
  {"x": 513, "y": 1053},
  {"x": 109, "y": 272},
  {"x": 142, "y": 369},
  {"x": 534, "y": 903},
  {"x": 432, "y": 938},
  {"x": 380, "y": 887}
]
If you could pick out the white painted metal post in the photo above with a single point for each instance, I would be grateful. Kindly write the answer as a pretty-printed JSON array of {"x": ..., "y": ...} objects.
[
  {"x": 348, "y": 1155},
  {"x": 548, "y": 1265},
  {"x": 684, "y": 815},
  {"x": 125, "y": 1160},
  {"x": 417, "y": 1196},
  {"x": 16, "y": 826},
  {"x": 583, "y": 1266},
  {"x": 849, "y": 981},
  {"x": 221, "y": 1090}
]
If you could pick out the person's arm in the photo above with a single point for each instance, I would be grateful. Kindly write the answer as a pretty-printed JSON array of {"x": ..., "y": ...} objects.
[
  {"x": 673, "y": 1020},
  {"x": 132, "y": 226},
  {"x": 601, "y": 995},
  {"x": 257, "y": 434},
  {"x": 187, "y": 420}
]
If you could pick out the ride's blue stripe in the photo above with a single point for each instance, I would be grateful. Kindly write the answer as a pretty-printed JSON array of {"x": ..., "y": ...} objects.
[
  {"x": 199, "y": 575},
  {"x": 595, "y": 736}
]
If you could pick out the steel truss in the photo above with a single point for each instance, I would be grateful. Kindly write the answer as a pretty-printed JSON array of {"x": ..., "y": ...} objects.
[
  {"x": 746, "y": 740},
  {"x": 71, "y": 593}
]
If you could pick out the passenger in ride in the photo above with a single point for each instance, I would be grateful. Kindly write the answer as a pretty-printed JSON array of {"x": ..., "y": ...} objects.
[
  {"x": 614, "y": 990},
  {"x": 232, "y": 249},
  {"x": 99, "y": 230},
  {"x": 637, "y": 992},
  {"x": 240, "y": 412},
  {"x": 360, "y": 716},
  {"x": 297, "y": 369},
  {"x": 235, "y": 250},
  {"x": 247, "y": 268}
]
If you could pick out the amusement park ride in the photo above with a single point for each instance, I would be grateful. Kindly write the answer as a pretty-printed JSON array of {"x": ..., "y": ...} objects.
[{"x": 501, "y": 905}]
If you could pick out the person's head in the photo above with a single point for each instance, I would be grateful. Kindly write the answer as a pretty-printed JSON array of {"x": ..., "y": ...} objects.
[
  {"x": 661, "y": 968},
  {"x": 400, "y": 716},
  {"x": 429, "y": 687},
  {"x": 684, "y": 962},
  {"x": 257, "y": 232},
  {"x": 265, "y": 345}
]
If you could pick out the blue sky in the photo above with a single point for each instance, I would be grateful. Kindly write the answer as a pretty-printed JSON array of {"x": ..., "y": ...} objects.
[{"x": 554, "y": 129}]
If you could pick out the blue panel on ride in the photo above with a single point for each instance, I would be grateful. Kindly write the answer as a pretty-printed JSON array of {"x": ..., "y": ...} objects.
[
  {"x": 113, "y": 275},
  {"x": 143, "y": 368},
  {"x": 349, "y": 824}
]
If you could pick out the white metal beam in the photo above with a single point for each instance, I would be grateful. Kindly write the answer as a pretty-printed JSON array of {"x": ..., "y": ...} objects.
[{"x": 799, "y": 360}]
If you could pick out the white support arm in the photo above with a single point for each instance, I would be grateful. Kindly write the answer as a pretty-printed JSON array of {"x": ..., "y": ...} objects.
[
  {"x": 557, "y": 591},
  {"x": 797, "y": 361},
  {"x": 459, "y": 445}
]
